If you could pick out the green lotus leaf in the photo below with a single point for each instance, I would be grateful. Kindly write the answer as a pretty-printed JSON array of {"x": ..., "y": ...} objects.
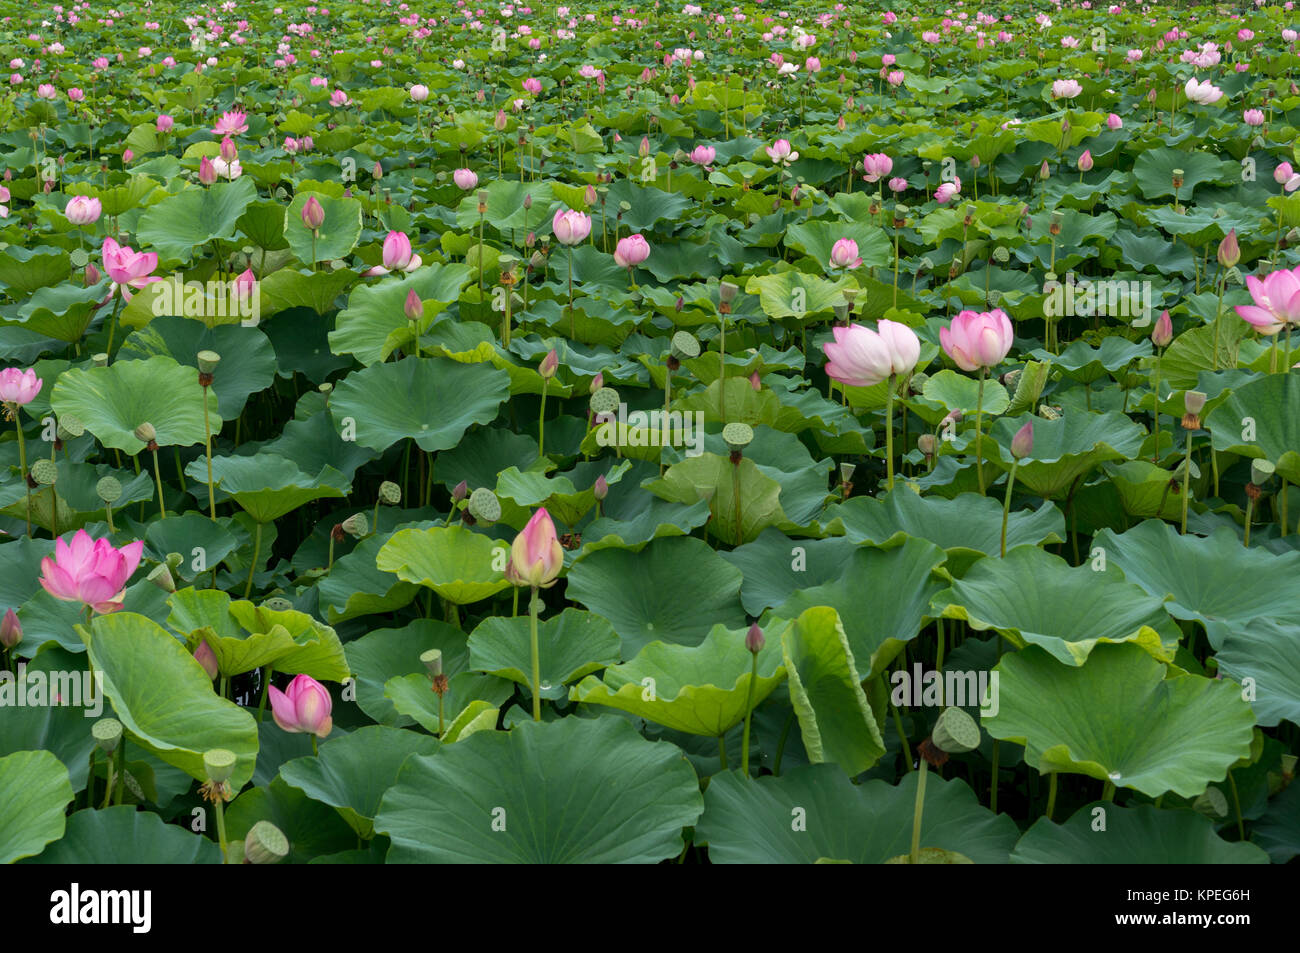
[
  {"x": 335, "y": 238},
  {"x": 1144, "y": 490},
  {"x": 357, "y": 587},
  {"x": 285, "y": 289},
  {"x": 1269, "y": 655},
  {"x": 62, "y": 312},
  {"x": 191, "y": 218},
  {"x": 164, "y": 699},
  {"x": 313, "y": 828},
  {"x": 1034, "y": 598},
  {"x": 123, "y": 835},
  {"x": 432, "y": 401},
  {"x": 1084, "y": 363},
  {"x": 757, "y": 505},
  {"x": 266, "y": 485},
  {"x": 570, "y": 645},
  {"x": 524, "y": 796},
  {"x": 316, "y": 650},
  {"x": 1262, "y": 419},
  {"x": 774, "y": 566},
  {"x": 816, "y": 239},
  {"x": 352, "y": 773},
  {"x": 701, "y": 690},
  {"x": 73, "y": 502},
  {"x": 1118, "y": 718},
  {"x": 63, "y": 730},
  {"x": 37, "y": 791},
  {"x": 412, "y": 696},
  {"x": 1132, "y": 835},
  {"x": 113, "y": 401},
  {"x": 389, "y": 653},
  {"x": 815, "y": 811},
  {"x": 1212, "y": 580},
  {"x": 953, "y": 391},
  {"x": 458, "y": 564},
  {"x": 477, "y": 716},
  {"x": 202, "y": 543},
  {"x": 1278, "y": 831},
  {"x": 1154, "y": 170},
  {"x": 561, "y": 497},
  {"x": 24, "y": 270},
  {"x": 1065, "y": 450},
  {"x": 777, "y": 297},
  {"x": 674, "y": 590},
  {"x": 374, "y": 324}
]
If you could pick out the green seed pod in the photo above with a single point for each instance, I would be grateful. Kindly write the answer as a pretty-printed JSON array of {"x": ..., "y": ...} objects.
[
  {"x": 955, "y": 732},
  {"x": 1261, "y": 471},
  {"x": 45, "y": 472},
  {"x": 390, "y": 493},
  {"x": 484, "y": 505},
  {"x": 70, "y": 426},
  {"x": 432, "y": 660},
  {"x": 161, "y": 577},
  {"x": 277, "y": 604},
  {"x": 109, "y": 490},
  {"x": 219, "y": 763},
  {"x": 737, "y": 436},
  {"x": 356, "y": 525},
  {"x": 107, "y": 733},
  {"x": 265, "y": 844},
  {"x": 145, "y": 433},
  {"x": 208, "y": 361},
  {"x": 685, "y": 346},
  {"x": 604, "y": 401}
]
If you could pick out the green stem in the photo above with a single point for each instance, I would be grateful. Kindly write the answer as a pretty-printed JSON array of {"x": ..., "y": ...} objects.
[
  {"x": 889, "y": 432},
  {"x": 1156, "y": 452},
  {"x": 1250, "y": 507},
  {"x": 780, "y": 744},
  {"x": 917, "y": 808},
  {"x": 90, "y": 780},
  {"x": 722, "y": 751},
  {"x": 993, "y": 784},
  {"x": 722, "y": 371},
  {"x": 1236, "y": 801},
  {"x": 902, "y": 736},
  {"x": 1108, "y": 791},
  {"x": 1006, "y": 504},
  {"x": 22, "y": 465},
  {"x": 979, "y": 430},
  {"x": 1187, "y": 478},
  {"x": 252, "y": 567},
  {"x": 541, "y": 422},
  {"x": 1051, "y": 794},
  {"x": 749, "y": 712},
  {"x": 266, "y": 685},
  {"x": 533, "y": 605},
  {"x": 219, "y": 807},
  {"x": 121, "y": 772},
  {"x": 162, "y": 507}
]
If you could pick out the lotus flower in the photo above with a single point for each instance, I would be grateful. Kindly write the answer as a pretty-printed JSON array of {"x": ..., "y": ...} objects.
[
  {"x": 1066, "y": 89},
  {"x": 465, "y": 179},
  {"x": 978, "y": 339},
  {"x": 1277, "y": 301},
  {"x": 231, "y": 123},
  {"x": 860, "y": 357},
  {"x": 946, "y": 191},
  {"x": 536, "y": 555},
  {"x": 876, "y": 166},
  {"x": 844, "y": 254},
  {"x": 304, "y": 708},
  {"x": 313, "y": 213},
  {"x": 570, "y": 227},
  {"x": 1085, "y": 161},
  {"x": 83, "y": 210},
  {"x": 397, "y": 256},
  {"x": 703, "y": 155},
  {"x": 781, "y": 152},
  {"x": 18, "y": 388},
  {"x": 90, "y": 571},
  {"x": 1113, "y": 122},
  {"x": 419, "y": 92},
  {"x": 1202, "y": 92},
  {"x": 631, "y": 251},
  {"x": 127, "y": 267}
]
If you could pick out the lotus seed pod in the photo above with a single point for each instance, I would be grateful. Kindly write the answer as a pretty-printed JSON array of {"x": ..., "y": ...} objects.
[
  {"x": 850, "y": 295},
  {"x": 219, "y": 763},
  {"x": 277, "y": 604},
  {"x": 100, "y": 360},
  {"x": 432, "y": 661},
  {"x": 955, "y": 732},
  {"x": 326, "y": 389},
  {"x": 45, "y": 472},
  {"x": 145, "y": 433},
  {"x": 1261, "y": 471},
  {"x": 1194, "y": 401},
  {"x": 107, "y": 733},
  {"x": 208, "y": 361},
  {"x": 841, "y": 311},
  {"x": 994, "y": 296},
  {"x": 604, "y": 401},
  {"x": 737, "y": 436},
  {"x": 484, "y": 505},
  {"x": 727, "y": 292},
  {"x": 161, "y": 577},
  {"x": 109, "y": 490},
  {"x": 1048, "y": 412},
  {"x": 356, "y": 525},
  {"x": 265, "y": 844},
  {"x": 1001, "y": 255},
  {"x": 70, "y": 426},
  {"x": 684, "y": 346},
  {"x": 390, "y": 493},
  {"x": 846, "y": 472},
  {"x": 1012, "y": 377}
]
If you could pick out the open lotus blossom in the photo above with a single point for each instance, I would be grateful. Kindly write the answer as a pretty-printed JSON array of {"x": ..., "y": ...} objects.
[
  {"x": 861, "y": 357},
  {"x": 303, "y": 708},
  {"x": 570, "y": 227},
  {"x": 1253, "y": 117},
  {"x": 231, "y": 123},
  {"x": 631, "y": 251},
  {"x": 1066, "y": 89},
  {"x": 978, "y": 339},
  {"x": 465, "y": 179},
  {"x": 1204, "y": 92},
  {"x": 128, "y": 268},
  {"x": 781, "y": 152},
  {"x": 397, "y": 256},
  {"x": 91, "y": 571},
  {"x": 876, "y": 166},
  {"x": 703, "y": 155},
  {"x": 228, "y": 169},
  {"x": 946, "y": 191},
  {"x": 83, "y": 210},
  {"x": 17, "y": 389},
  {"x": 897, "y": 184},
  {"x": 164, "y": 123},
  {"x": 1277, "y": 301},
  {"x": 844, "y": 254},
  {"x": 536, "y": 555},
  {"x": 532, "y": 85}
]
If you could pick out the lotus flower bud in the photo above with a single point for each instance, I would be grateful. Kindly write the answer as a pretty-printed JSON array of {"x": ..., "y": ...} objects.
[
  {"x": 549, "y": 365},
  {"x": 484, "y": 506},
  {"x": 313, "y": 213},
  {"x": 107, "y": 733},
  {"x": 207, "y": 171},
  {"x": 1163, "y": 332},
  {"x": 536, "y": 554},
  {"x": 11, "y": 630},
  {"x": 600, "y": 489},
  {"x": 228, "y": 150},
  {"x": 109, "y": 490},
  {"x": 219, "y": 763},
  {"x": 390, "y": 493},
  {"x": 597, "y": 382},
  {"x": 208, "y": 659},
  {"x": 45, "y": 472},
  {"x": 414, "y": 306},
  {"x": 265, "y": 844},
  {"x": 460, "y": 492},
  {"x": 1229, "y": 250},
  {"x": 754, "y": 640},
  {"x": 356, "y": 525},
  {"x": 1022, "y": 444},
  {"x": 92, "y": 274}
]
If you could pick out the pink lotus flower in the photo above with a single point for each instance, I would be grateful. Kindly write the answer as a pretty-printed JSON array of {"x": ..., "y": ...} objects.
[
  {"x": 46, "y": 91},
  {"x": 781, "y": 152},
  {"x": 127, "y": 267},
  {"x": 465, "y": 178},
  {"x": 164, "y": 123},
  {"x": 703, "y": 155},
  {"x": 536, "y": 555},
  {"x": 860, "y": 357},
  {"x": 1277, "y": 301},
  {"x": 1205, "y": 92},
  {"x": 18, "y": 388},
  {"x": 304, "y": 708},
  {"x": 631, "y": 251},
  {"x": 532, "y": 85},
  {"x": 313, "y": 213},
  {"x": 83, "y": 210},
  {"x": 897, "y": 184},
  {"x": 207, "y": 171},
  {"x": 895, "y": 77},
  {"x": 1085, "y": 161},
  {"x": 844, "y": 254},
  {"x": 946, "y": 191},
  {"x": 90, "y": 571},
  {"x": 876, "y": 165},
  {"x": 339, "y": 98},
  {"x": 231, "y": 123},
  {"x": 419, "y": 92},
  {"x": 1066, "y": 89},
  {"x": 570, "y": 227},
  {"x": 76, "y": 95},
  {"x": 977, "y": 339},
  {"x": 1253, "y": 117},
  {"x": 397, "y": 256},
  {"x": 1113, "y": 122},
  {"x": 1163, "y": 333}
]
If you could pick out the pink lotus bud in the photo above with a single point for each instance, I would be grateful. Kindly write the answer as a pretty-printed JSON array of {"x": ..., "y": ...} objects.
[
  {"x": 466, "y": 179},
  {"x": 536, "y": 555},
  {"x": 978, "y": 339},
  {"x": 313, "y": 214},
  {"x": 601, "y": 488},
  {"x": 164, "y": 123},
  {"x": 303, "y": 708},
  {"x": 755, "y": 381},
  {"x": 499, "y": 124},
  {"x": 1163, "y": 332},
  {"x": 419, "y": 92},
  {"x": 460, "y": 492},
  {"x": 631, "y": 251},
  {"x": 754, "y": 640},
  {"x": 92, "y": 274},
  {"x": 643, "y": 150},
  {"x": 127, "y": 156},
  {"x": 1229, "y": 250},
  {"x": 208, "y": 659},
  {"x": 598, "y": 381},
  {"x": 244, "y": 285},
  {"x": 1113, "y": 122},
  {"x": 397, "y": 251},
  {"x": 1085, "y": 161},
  {"x": 414, "y": 306},
  {"x": 228, "y": 150},
  {"x": 11, "y": 630},
  {"x": 549, "y": 365},
  {"x": 1022, "y": 444},
  {"x": 589, "y": 196},
  {"x": 377, "y": 170},
  {"x": 207, "y": 171}
]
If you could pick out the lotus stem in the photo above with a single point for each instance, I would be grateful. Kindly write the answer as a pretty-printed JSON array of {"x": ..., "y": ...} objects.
[
  {"x": 541, "y": 422},
  {"x": 90, "y": 779},
  {"x": 1236, "y": 801},
  {"x": 749, "y": 712},
  {"x": 572, "y": 326},
  {"x": 889, "y": 432},
  {"x": 1156, "y": 452},
  {"x": 993, "y": 783},
  {"x": 1250, "y": 515},
  {"x": 722, "y": 751},
  {"x": 1187, "y": 479},
  {"x": 534, "y": 605},
  {"x": 162, "y": 506},
  {"x": 252, "y": 568},
  {"x": 1108, "y": 791},
  {"x": 22, "y": 465},
  {"x": 979, "y": 430},
  {"x": 780, "y": 744},
  {"x": 266, "y": 685},
  {"x": 219, "y": 808},
  {"x": 902, "y": 736},
  {"x": 1006, "y": 504},
  {"x": 917, "y": 810},
  {"x": 1051, "y": 794}
]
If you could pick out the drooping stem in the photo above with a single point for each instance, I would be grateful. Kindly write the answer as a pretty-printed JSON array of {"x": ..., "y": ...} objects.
[
  {"x": 979, "y": 430},
  {"x": 916, "y": 813},
  {"x": 1006, "y": 504},
  {"x": 252, "y": 567},
  {"x": 534, "y": 604},
  {"x": 749, "y": 712}
]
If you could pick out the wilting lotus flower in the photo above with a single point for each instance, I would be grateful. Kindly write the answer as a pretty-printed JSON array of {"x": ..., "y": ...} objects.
[
  {"x": 83, "y": 210},
  {"x": 703, "y": 155},
  {"x": 91, "y": 571},
  {"x": 570, "y": 227},
  {"x": 127, "y": 267},
  {"x": 17, "y": 389},
  {"x": 860, "y": 357},
  {"x": 1277, "y": 301},
  {"x": 781, "y": 152},
  {"x": 536, "y": 554},
  {"x": 231, "y": 123},
  {"x": 844, "y": 254},
  {"x": 631, "y": 251},
  {"x": 465, "y": 178},
  {"x": 1202, "y": 92},
  {"x": 1066, "y": 89},
  {"x": 304, "y": 708},
  {"x": 876, "y": 166},
  {"x": 978, "y": 339}
]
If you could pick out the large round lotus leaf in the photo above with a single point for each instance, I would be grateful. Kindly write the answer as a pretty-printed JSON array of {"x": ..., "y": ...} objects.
[
  {"x": 337, "y": 234},
  {"x": 967, "y": 522},
  {"x": 1262, "y": 419},
  {"x": 191, "y": 218},
  {"x": 62, "y": 730},
  {"x": 835, "y": 718},
  {"x": 1065, "y": 450},
  {"x": 482, "y": 454},
  {"x": 113, "y": 401},
  {"x": 73, "y": 503},
  {"x": 816, "y": 239},
  {"x": 815, "y": 811},
  {"x": 777, "y": 293},
  {"x": 458, "y": 564},
  {"x": 1154, "y": 171},
  {"x": 357, "y": 587},
  {"x": 62, "y": 312},
  {"x": 1144, "y": 489},
  {"x": 701, "y": 690},
  {"x": 1118, "y": 718},
  {"x": 775, "y": 566},
  {"x": 412, "y": 696},
  {"x": 570, "y": 645},
  {"x": 312, "y": 827},
  {"x": 267, "y": 486},
  {"x": 898, "y": 582},
  {"x": 431, "y": 400},
  {"x": 1086, "y": 364},
  {"x": 202, "y": 542},
  {"x": 316, "y": 651},
  {"x": 47, "y": 619},
  {"x": 352, "y": 773},
  {"x": 123, "y": 835},
  {"x": 674, "y": 590},
  {"x": 164, "y": 699},
  {"x": 374, "y": 324},
  {"x": 1269, "y": 655},
  {"x": 247, "y": 358},
  {"x": 695, "y": 478},
  {"x": 390, "y": 653},
  {"x": 1214, "y": 580},
  {"x": 953, "y": 391},
  {"x": 1132, "y": 835},
  {"x": 20, "y": 570},
  {"x": 1033, "y": 597},
  {"x": 525, "y": 796},
  {"x": 563, "y": 500},
  {"x": 37, "y": 791},
  {"x": 1278, "y": 831}
]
